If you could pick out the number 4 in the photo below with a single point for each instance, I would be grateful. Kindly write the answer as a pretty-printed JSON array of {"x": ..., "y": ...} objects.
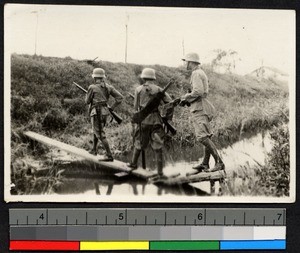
[{"x": 41, "y": 216}]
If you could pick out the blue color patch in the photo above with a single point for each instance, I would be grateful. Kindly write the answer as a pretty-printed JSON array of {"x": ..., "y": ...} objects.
[{"x": 255, "y": 245}]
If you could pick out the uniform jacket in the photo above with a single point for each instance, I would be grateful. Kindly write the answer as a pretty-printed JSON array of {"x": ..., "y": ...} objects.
[
  {"x": 99, "y": 93},
  {"x": 143, "y": 94},
  {"x": 199, "y": 83}
]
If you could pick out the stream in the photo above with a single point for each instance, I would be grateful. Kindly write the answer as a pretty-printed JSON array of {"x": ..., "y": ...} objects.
[{"x": 250, "y": 151}]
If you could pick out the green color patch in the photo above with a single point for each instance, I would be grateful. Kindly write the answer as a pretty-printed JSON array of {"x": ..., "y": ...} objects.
[{"x": 184, "y": 245}]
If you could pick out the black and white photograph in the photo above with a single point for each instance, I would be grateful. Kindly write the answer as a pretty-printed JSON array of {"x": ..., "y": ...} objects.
[{"x": 149, "y": 104}]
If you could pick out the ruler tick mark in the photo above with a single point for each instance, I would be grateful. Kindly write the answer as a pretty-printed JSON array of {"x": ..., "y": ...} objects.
[
  {"x": 214, "y": 221},
  {"x": 254, "y": 222},
  {"x": 135, "y": 222},
  {"x": 96, "y": 221},
  {"x": 116, "y": 222},
  {"x": 195, "y": 221},
  {"x": 224, "y": 220},
  {"x": 244, "y": 218},
  {"x": 234, "y": 222},
  {"x": 56, "y": 222},
  {"x": 37, "y": 222},
  {"x": 76, "y": 221},
  {"x": 105, "y": 219},
  {"x": 165, "y": 218},
  {"x": 67, "y": 220},
  {"x": 184, "y": 220},
  {"x": 175, "y": 221},
  {"x": 273, "y": 222},
  {"x": 145, "y": 220},
  {"x": 264, "y": 220},
  {"x": 86, "y": 218},
  {"x": 27, "y": 220},
  {"x": 155, "y": 221},
  {"x": 17, "y": 222}
]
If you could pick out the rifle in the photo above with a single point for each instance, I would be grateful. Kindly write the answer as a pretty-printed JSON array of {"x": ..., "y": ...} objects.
[
  {"x": 114, "y": 115},
  {"x": 169, "y": 127},
  {"x": 153, "y": 104}
]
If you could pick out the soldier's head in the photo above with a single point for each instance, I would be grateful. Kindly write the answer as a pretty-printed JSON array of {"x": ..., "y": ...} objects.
[
  {"x": 98, "y": 74},
  {"x": 191, "y": 60},
  {"x": 148, "y": 74}
]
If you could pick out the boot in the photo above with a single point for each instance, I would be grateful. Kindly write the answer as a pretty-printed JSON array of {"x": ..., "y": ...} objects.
[
  {"x": 205, "y": 163},
  {"x": 108, "y": 156},
  {"x": 135, "y": 157},
  {"x": 219, "y": 165},
  {"x": 159, "y": 159},
  {"x": 93, "y": 151}
]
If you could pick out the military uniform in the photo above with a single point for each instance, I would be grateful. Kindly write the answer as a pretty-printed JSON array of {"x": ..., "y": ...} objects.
[
  {"x": 150, "y": 130},
  {"x": 152, "y": 125},
  {"x": 202, "y": 112},
  {"x": 97, "y": 97}
]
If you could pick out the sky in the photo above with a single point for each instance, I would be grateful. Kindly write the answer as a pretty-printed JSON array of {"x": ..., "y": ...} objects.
[{"x": 155, "y": 35}]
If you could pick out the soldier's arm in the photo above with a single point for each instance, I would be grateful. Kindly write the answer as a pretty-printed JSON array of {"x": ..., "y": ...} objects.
[
  {"x": 117, "y": 96},
  {"x": 89, "y": 95},
  {"x": 197, "y": 90},
  {"x": 135, "y": 103}
]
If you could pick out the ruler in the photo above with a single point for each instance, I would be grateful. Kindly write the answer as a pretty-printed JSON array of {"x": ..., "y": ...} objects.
[{"x": 147, "y": 229}]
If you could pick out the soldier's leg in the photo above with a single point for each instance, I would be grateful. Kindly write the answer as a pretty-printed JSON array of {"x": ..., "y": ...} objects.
[
  {"x": 108, "y": 157},
  {"x": 203, "y": 134},
  {"x": 219, "y": 165},
  {"x": 95, "y": 128},
  {"x": 159, "y": 160},
  {"x": 157, "y": 142}
]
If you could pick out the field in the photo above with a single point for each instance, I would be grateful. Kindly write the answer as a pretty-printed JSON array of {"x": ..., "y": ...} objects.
[{"x": 44, "y": 100}]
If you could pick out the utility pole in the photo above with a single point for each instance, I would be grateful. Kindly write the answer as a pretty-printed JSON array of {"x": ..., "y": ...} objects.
[
  {"x": 183, "y": 53},
  {"x": 36, "y": 27},
  {"x": 126, "y": 42}
]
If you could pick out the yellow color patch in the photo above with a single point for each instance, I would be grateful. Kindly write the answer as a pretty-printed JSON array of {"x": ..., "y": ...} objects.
[{"x": 111, "y": 245}]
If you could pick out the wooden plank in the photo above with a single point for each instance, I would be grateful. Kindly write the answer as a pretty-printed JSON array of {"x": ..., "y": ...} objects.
[
  {"x": 116, "y": 166},
  {"x": 203, "y": 176}
]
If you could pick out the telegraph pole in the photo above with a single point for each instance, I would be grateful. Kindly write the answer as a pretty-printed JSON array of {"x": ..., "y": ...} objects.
[
  {"x": 183, "y": 53},
  {"x": 36, "y": 27},
  {"x": 126, "y": 42}
]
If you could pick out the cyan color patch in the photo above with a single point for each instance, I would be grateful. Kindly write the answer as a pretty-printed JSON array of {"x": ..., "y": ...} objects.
[{"x": 253, "y": 245}]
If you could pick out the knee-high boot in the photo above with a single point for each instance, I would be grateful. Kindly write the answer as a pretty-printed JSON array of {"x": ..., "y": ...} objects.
[
  {"x": 108, "y": 157},
  {"x": 93, "y": 151},
  {"x": 219, "y": 165},
  {"x": 159, "y": 160},
  {"x": 205, "y": 162},
  {"x": 134, "y": 160}
]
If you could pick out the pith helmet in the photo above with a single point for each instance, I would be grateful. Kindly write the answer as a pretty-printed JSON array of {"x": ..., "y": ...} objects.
[
  {"x": 148, "y": 73},
  {"x": 194, "y": 57},
  {"x": 98, "y": 72}
]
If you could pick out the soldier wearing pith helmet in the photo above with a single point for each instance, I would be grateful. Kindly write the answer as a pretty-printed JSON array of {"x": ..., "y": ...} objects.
[
  {"x": 97, "y": 98},
  {"x": 202, "y": 112},
  {"x": 151, "y": 128}
]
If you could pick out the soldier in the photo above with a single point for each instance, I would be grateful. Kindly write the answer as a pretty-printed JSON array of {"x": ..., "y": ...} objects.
[
  {"x": 202, "y": 112},
  {"x": 97, "y": 97},
  {"x": 151, "y": 128}
]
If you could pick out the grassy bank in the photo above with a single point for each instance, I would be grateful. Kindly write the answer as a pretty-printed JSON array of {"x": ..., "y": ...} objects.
[{"x": 44, "y": 100}]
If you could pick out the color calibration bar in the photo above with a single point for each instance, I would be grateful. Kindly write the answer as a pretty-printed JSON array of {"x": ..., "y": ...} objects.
[
  {"x": 148, "y": 245},
  {"x": 147, "y": 229}
]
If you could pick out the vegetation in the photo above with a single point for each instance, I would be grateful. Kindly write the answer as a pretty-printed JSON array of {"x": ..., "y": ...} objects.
[
  {"x": 44, "y": 100},
  {"x": 272, "y": 179}
]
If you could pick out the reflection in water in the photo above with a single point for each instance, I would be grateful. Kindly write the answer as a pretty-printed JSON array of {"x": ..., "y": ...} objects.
[{"x": 250, "y": 151}]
